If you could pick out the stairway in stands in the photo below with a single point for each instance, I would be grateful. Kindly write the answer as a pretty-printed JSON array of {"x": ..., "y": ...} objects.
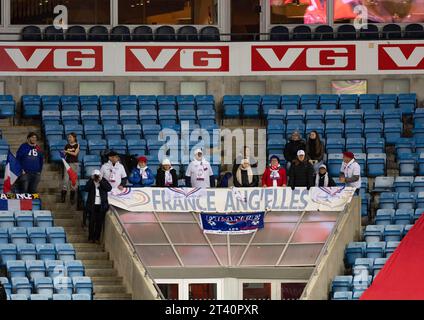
[{"x": 108, "y": 285}]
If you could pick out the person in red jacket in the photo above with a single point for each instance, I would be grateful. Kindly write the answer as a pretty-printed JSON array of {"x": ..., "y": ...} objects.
[{"x": 274, "y": 175}]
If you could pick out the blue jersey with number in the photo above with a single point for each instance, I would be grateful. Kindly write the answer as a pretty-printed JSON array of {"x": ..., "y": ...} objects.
[{"x": 30, "y": 158}]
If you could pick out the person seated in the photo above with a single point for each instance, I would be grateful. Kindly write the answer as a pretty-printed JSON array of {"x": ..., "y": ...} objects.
[
  {"x": 322, "y": 179},
  {"x": 244, "y": 177},
  {"x": 166, "y": 175},
  {"x": 142, "y": 175},
  {"x": 274, "y": 175}
]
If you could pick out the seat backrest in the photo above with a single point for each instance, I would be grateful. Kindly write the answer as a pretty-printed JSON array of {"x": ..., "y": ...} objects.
[
  {"x": 187, "y": 33},
  {"x": 302, "y": 33},
  {"x": 76, "y": 33},
  {"x": 392, "y": 31},
  {"x": 165, "y": 33},
  {"x": 142, "y": 33},
  {"x": 369, "y": 32},
  {"x": 53, "y": 34},
  {"x": 31, "y": 33},
  {"x": 346, "y": 32},
  {"x": 414, "y": 31},
  {"x": 324, "y": 32},
  {"x": 120, "y": 33},
  {"x": 279, "y": 33},
  {"x": 209, "y": 33},
  {"x": 98, "y": 33}
]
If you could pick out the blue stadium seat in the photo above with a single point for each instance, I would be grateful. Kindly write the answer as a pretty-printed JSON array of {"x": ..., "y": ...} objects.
[
  {"x": 62, "y": 297},
  {"x": 24, "y": 218},
  {"x": 388, "y": 200},
  {"x": 341, "y": 283},
  {"x": 4, "y": 236},
  {"x": 35, "y": 269},
  {"x": 342, "y": 295},
  {"x": 56, "y": 235},
  {"x": 26, "y": 251},
  {"x": 136, "y": 146},
  {"x": 335, "y": 145},
  {"x": 334, "y": 162},
  {"x": 16, "y": 268},
  {"x": 353, "y": 251},
  {"x": 83, "y": 285},
  {"x": 334, "y": 130},
  {"x": 418, "y": 184},
  {"x": 373, "y": 233},
  {"x": 392, "y": 131},
  {"x": 6, "y": 284},
  {"x": 74, "y": 268},
  {"x": 403, "y": 184},
  {"x": 373, "y": 130},
  {"x": 7, "y": 252},
  {"x": 376, "y": 164},
  {"x": 81, "y": 296},
  {"x": 132, "y": 131},
  {"x": 403, "y": 216},
  {"x": 44, "y": 285},
  {"x": 93, "y": 131},
  {"x": 112, "y": 131},
  {"x": 63, "y": 285},
  {"x": 21, "y": 286},
  {"x": 46, "y": 251},
  {"x": 109, "y": 116},
  {"x": 354, "y": 130},
  {"x": 378, "y": 265},
  {"x": 383, "y": 184},
  {"x": 148, "y": 117},
  {"x": 96, "y": 146},
  {"x": 65, "y": 251},
  {"x": 384, "y": 216},
  {"x": 375, "y": 249},
  {"x": 407, "y": 164},
  {"x": 7, "y": 219},
  {"x": 128, "y": 117},
  {"x": 393, "y": 232},
  {"x": 18, "y": 235},
  {"x": 391, "y": 247},
  {"x": 90, "y": 117},
  {"x": 55, "y": 268},
  {"x": 406, "y": 200}
]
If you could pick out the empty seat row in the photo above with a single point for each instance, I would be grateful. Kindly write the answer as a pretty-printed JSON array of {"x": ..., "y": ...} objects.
[
  {"x": 401, "y": 200},
  {"x": 55, "y": 296},
  {"x": 369, "y": 251},
  {"x": 121, "y": 33},
  {"x": 399, "y": 184},
  {"x": 22, "y": 235},
  {"x": 58, "y": 251},
  {"x": 20, "y": 218},
  {"x": 347, "y": 32},
  {"x": 38, "y": 268}
]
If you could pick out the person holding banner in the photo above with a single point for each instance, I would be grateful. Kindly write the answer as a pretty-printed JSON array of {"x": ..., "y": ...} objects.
[
  {"x": 114, "y": 172},
  {"x": 274, "y": 175},
  {"x": 30, "y": 158},
  {"x": 244, "y": 177},
  {"x": 142, "y": 176},
  {"x": 350, "y": 171},
  {"x": 97, "y": 204},
  {"x": 301, "y": 172},
  {"x": 71, "y": 152},
  {"x": 199, "y": 172},
  {"x": 166, "y": 175}
]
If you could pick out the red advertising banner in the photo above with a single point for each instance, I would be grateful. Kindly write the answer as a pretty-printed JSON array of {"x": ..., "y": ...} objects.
[{"x": 401, "y": 56}]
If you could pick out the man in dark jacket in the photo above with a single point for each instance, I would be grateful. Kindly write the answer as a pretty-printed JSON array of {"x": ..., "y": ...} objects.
[
  {"x": 97, "y": 204},
  {"x": 30, "y": 157},
  {"x": 301, "y": 172},
  {"x": 295, "y": 144}
]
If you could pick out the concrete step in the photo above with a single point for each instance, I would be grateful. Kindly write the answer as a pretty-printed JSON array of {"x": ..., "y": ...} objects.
[
  {"x": 99, "y": 255},
  {"x": 77, "y": 238},
  {"x": 109, "y": 288},
  {"x": 112, "y": 296},
  {"x": 97, "y": 264},
  {"x": 64, "y": 222},
  {"x": 85, "y": 247},
  {"x": 96, "y": 272},
  {"x": 107, "y": 280},
  {"x": 64, "y": 215}
]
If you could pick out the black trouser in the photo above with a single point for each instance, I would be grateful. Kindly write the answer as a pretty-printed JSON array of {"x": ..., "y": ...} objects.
[{"x": 97, "y": 219}]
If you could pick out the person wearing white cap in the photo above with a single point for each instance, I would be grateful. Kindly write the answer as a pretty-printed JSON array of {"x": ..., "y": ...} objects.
[
  {"x": 301, "y": 173},
  {"x": 322, "y": 179},
  {"x": 97, "y": 204},
  {"x": 166, "y": 175},
  {"x": 199, "y": 172}
]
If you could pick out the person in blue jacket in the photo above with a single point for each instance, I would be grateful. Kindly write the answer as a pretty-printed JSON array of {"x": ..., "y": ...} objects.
[
  {"x": 30, "y": 157},
  {"x": 142, "y": 176}
]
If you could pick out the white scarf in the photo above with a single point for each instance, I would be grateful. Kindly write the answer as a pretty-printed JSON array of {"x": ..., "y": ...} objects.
[
  {"x": 143, "y": 172},
  {"x": 317, "y": 178},
  {"x": 168, "y": 178},
  {"x": 275, "y": 175},
  {"x": 346, "y": 167},
  {"x": 200, "y": 174},
  {"x": 249, "y": 174}
]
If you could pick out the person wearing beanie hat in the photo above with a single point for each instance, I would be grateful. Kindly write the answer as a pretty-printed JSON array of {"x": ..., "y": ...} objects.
[
  {"x": 114, "y": 172},
  {"x": 244, "y": 177},
  {"x": 322, "y": 179},
  {"x": 350, "y": 171},
  {"x": 301, "y": 173},
  {"x": 274, "y": 175},
  {"x": 295, "y": 144},
  {"x": 166, "y": 176},
  {"x": 199, "y": 172},
  {"x": 142, "y": 176}
]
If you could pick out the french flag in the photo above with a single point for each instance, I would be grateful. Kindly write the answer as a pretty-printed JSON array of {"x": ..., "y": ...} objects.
[
  {"x": 73, "y": 176},
  {"x": 12, "y": 172}
]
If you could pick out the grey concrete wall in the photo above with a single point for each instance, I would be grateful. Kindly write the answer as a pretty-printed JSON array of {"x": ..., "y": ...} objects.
[
  {"x": 331, "y": 263},
  {"x": 125, "y": 261}
]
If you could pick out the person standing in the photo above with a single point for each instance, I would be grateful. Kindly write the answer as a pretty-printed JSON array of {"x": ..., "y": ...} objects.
[
  {"x": 142, "y": 176},
  {"x": 295, "y": 144},
  {"x": 244, "y": 176},
  {"x": 114, "y": 172},
  {"x": 166, "y": 175},
  {"x": 350, "y": 171},
  {"x": 274, "y": 175},
  {"x": 97, "y": 204},
  {"x": 315, "y": 150},
  {"x": 301, "y": 172},
  {"x": 199, "y": 172},
  {"x": 71, "y": 152},
  {"x": 322, "y": 179},
  {"x": 30, "y": 157},
  {"x": 244, "y": 154}
]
